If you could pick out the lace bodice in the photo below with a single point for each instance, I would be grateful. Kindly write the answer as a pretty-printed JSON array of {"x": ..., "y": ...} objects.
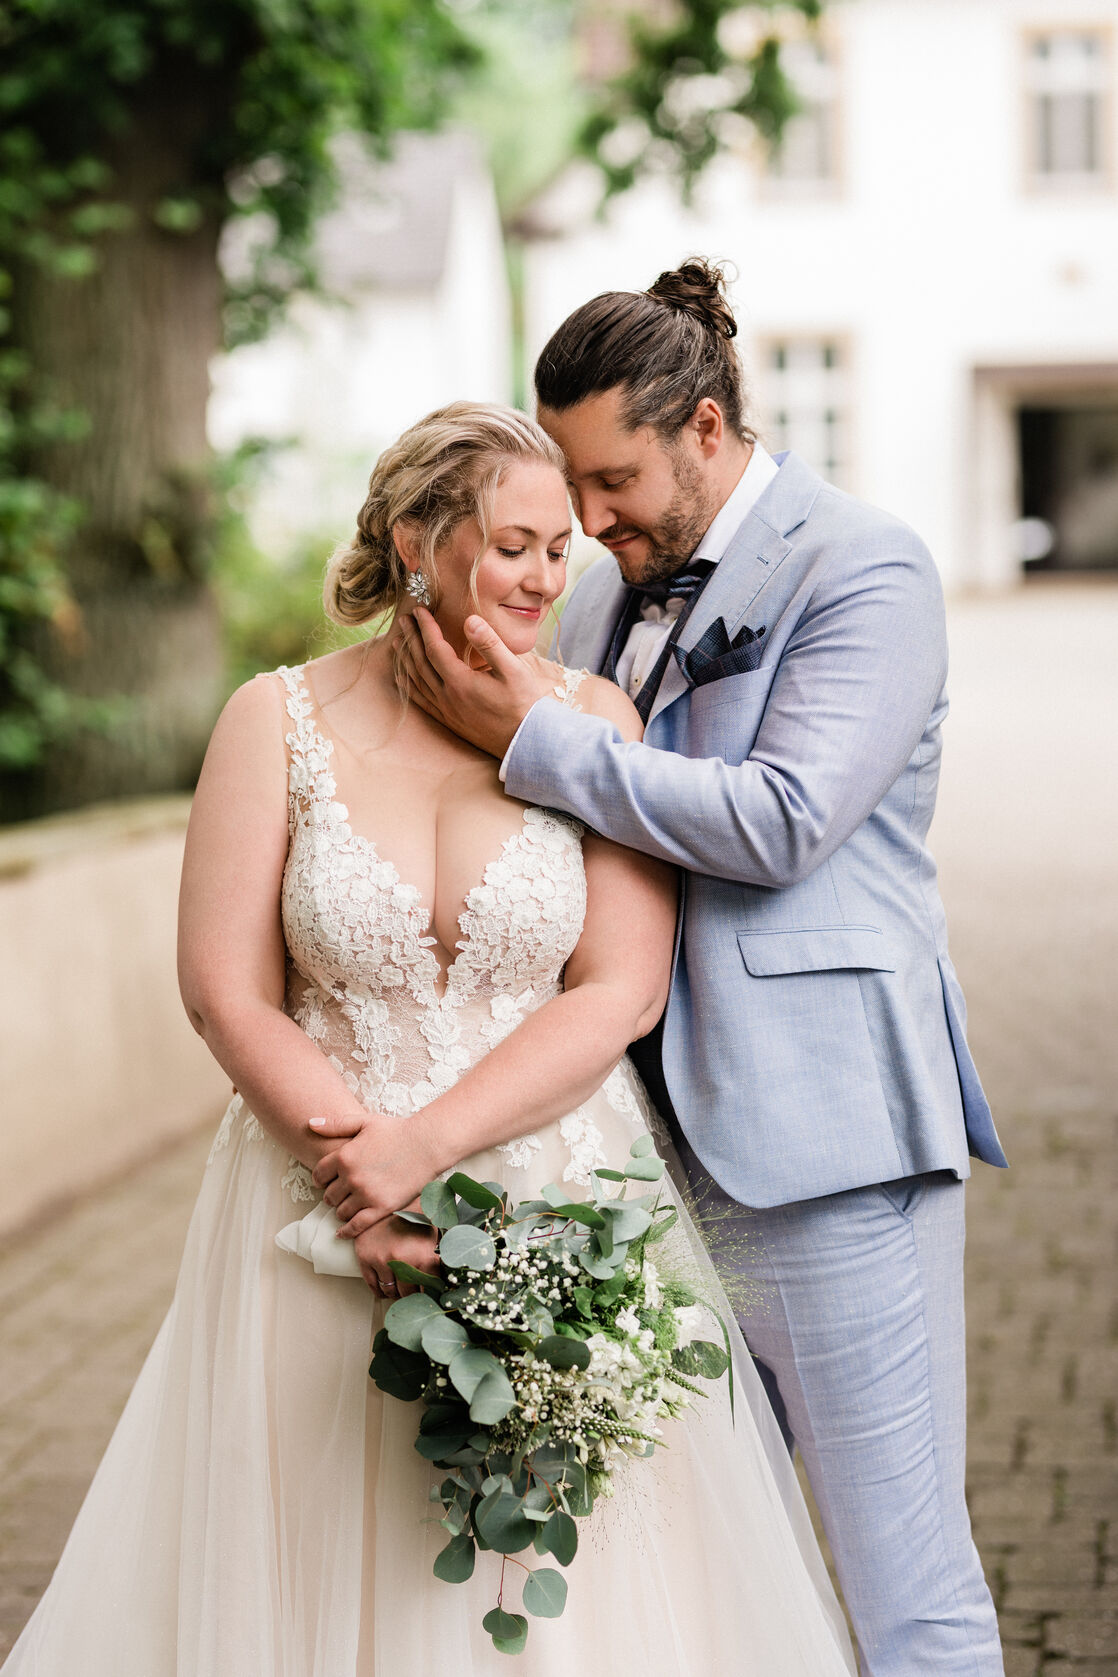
[{"x": 363, "y": 979}]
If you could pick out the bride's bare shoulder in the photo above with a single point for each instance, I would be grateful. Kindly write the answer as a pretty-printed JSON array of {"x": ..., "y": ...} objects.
[
  {"x": 334, "y": 673},
  {"x": 596, "y": 696}
]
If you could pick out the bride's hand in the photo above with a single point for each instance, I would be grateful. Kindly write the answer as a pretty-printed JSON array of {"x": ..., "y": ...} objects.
[
  {"x": 372, "y": 1173},
  {"x": 389, "y": 1240}
]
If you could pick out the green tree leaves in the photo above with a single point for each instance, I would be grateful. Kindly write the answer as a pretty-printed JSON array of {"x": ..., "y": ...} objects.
[{"x": 692, "y": 83}]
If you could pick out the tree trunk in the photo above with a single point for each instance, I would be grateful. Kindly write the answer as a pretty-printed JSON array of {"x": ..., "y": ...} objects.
[{"x": 129, "y": 347}]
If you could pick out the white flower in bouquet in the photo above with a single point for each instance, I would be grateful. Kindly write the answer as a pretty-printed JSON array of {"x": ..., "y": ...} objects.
[{"x": 628, "y": 1320}]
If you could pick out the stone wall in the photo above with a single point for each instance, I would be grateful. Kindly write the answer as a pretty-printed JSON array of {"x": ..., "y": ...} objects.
[{"x": 98, "y": 1063}]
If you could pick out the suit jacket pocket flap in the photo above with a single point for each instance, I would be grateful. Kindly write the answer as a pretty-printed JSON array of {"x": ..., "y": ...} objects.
[{"x": 814, "y": 949}]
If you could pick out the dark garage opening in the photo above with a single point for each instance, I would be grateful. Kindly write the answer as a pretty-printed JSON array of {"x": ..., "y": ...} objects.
[{"x": 1068, "y": 460}]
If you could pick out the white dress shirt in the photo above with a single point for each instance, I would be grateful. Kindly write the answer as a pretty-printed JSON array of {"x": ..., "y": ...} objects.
[{"x": 638, "y": 656}]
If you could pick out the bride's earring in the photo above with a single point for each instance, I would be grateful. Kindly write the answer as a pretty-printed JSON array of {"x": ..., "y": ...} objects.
[{"x": 417, "y": 587}]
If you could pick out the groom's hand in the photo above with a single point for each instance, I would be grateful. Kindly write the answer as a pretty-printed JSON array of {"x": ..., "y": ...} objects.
[{"x": 486, "y": 706}]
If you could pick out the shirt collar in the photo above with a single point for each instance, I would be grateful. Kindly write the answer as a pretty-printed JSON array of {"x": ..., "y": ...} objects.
[{"x": 751, "y": 485}]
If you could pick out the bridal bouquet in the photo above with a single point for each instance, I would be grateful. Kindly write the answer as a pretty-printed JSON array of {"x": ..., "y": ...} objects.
[{"x": 546, "y": 1353}]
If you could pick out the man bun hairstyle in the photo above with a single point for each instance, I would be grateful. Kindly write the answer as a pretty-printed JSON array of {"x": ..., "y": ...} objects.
[
  {"x": 664, "y": 348},
  {"x": 440, "y": 472}
]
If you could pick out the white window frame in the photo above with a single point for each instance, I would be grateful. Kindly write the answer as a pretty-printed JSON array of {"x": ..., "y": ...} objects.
[
  {"x": 1038, "y": 85},
  {"x": 785, "y": 415}
]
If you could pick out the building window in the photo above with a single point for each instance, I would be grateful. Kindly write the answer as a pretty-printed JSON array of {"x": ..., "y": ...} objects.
[
  {"x": 806, "y": 395},
  {"x": 807, "y": 157},
  {"x": 1068, "y": 73}
]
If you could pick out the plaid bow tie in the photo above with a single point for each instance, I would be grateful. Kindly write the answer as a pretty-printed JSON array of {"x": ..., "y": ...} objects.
[{"x": 681, "y": 586}]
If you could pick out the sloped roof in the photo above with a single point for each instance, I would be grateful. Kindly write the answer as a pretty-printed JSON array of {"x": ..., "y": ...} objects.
[{"x": 390, "y": 227}]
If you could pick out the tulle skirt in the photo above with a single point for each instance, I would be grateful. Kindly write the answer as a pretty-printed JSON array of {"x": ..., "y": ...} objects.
[{"x": 261, "y": 1510}]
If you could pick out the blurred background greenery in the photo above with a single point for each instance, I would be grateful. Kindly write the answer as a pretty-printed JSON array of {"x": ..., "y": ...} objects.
[
  {"x": 135, "y": 136},
  {"x": 133, "y": 596}
]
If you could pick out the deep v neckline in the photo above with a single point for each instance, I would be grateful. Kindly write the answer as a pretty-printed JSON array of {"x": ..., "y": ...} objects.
[{"x": 425, "y": 940}]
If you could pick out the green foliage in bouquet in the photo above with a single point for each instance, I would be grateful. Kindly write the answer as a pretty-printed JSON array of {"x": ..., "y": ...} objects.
[{"x": 544, "y": 1354}]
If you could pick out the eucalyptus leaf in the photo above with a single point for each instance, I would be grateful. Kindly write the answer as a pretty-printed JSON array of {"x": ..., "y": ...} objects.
[
  {"x": 439, "y": 1447},
  {"x": 501, "y": 1522},
  {"x": 563, "y": 1352},
  {"x": 578, "y": 1211},
  {"x": 612, "y": 1287},
  {"x": 642, "y": 1148},
  {"x": 701, "y": 1357},
  {"x": 645, "y": 1170},
  {"x": 455, "y": 1563},
  {"x": 601, "y": 1268},
  {"x": 483, "y": 1196},
  {"x": 560, "y": 1538},
  {"x": 402, "y": 1374},
  {"x": 416, "y": 1217},
  {"x": 469, "y": 1367},
  {"x": 608, "y": 1175},
  {"x": 439, "y": 1204},
  {"x": 555, "y": 1195},
  {"x": 441, "y": 1337},
  {"x": 467, "y": 1456},
  {"x": 529, "y": 1209},
  {"x": 508, "y": 1630},
  {"x": 446, "y": 1412},
  {"x": 627, "y": 1221},
  {"x": 404, "y": 1320},
  {"x": 492, "y": 1399},
  {"x": 545, "y": 1593},
  {"x": 464, "y": 1247}
]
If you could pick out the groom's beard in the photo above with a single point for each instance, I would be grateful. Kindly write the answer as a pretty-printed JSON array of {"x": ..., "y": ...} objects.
[{"x": 676, "y": 533}]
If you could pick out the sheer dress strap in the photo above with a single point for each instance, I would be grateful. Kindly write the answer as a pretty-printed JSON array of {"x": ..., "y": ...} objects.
[{"x": 310, "y": 780}]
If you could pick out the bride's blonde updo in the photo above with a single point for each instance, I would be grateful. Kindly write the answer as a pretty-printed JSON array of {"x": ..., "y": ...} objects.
[{"x": 443, "y": 470}]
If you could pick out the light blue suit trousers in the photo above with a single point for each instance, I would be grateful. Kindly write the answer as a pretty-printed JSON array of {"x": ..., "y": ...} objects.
[{"x": 814, "y": 1043}]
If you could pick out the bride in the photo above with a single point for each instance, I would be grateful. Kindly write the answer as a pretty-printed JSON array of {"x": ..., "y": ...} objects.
[{"x": 402, "y": 970}]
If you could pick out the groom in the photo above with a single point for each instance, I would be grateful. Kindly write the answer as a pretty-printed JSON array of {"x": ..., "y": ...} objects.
[{"x": 785, "y": 645}]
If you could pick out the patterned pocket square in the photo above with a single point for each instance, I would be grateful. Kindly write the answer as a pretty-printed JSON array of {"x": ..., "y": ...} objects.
[{"x": 715, "y": 656}]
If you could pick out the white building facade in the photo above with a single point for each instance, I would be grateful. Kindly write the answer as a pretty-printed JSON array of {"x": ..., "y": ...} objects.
[
  {"x": 927, "y": 274},
  {"x": 416, "y": 313}
]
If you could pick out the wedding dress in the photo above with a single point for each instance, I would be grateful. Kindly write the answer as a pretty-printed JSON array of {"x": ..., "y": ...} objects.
[{"x": 260, "y": 1510}]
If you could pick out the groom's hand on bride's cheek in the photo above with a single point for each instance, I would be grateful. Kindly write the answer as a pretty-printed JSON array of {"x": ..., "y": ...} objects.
[{"x": 484, "y": 706}]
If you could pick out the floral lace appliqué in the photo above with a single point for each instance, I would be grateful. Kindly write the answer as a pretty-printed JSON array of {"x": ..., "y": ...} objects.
[
  {"x": 299, "y": 1182},
  {"x": 364, "y": 980}
]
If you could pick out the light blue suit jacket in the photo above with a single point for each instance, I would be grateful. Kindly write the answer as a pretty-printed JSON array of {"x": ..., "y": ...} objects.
[{"x": 814, "y": 1038}]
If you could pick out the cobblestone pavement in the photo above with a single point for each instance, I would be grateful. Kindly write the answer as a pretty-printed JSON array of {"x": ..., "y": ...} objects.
[{"x": 1027, "y": 839}]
